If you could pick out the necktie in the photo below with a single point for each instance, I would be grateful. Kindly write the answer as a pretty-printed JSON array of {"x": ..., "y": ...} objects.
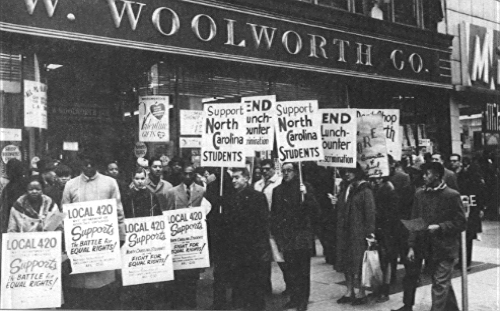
[{"x": 188, "y": 193}]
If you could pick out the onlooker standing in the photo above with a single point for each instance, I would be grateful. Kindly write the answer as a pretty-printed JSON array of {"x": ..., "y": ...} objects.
[
  {"x": 186, "y": 195},
  {"x": 174, "y": 173},
  {"x": 291, "y": 226},
  {"x": 157, "y": 185},
  {"x": 246, "y": 223},
  {"x": 449, "y": 177},
  {"x": 113, "y": 171},
  {"x": 440, "y": 208},
  {"x": 355, "y": 222},
  {"x": 55, "y": 191},
  {"x": 12, "y": 191},
  {"x": 46, "y": 168},
  {"x": 93, "y": 290},
  {"x": 266, "y": 185}
]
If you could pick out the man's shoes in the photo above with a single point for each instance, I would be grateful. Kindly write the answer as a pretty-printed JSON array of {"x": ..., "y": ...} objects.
[
  {"x": 360, "y": 301},
  {"x": 382, "y": 298},
  {"x": 290, "y": 305},
  {"x": 404, "y": 308},
  {"x": 345, "y": 299}
]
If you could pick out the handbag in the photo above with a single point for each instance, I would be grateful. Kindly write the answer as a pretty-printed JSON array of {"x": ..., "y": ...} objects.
[{"x": 371, "y": 272}]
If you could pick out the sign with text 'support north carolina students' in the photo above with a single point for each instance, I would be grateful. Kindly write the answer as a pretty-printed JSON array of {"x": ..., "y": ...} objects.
[
  {"x": 391, "y": 128},
  {"x": 371, "y": 146},
  {"x": 223, "y": 137},
  {"x": 153, "y": 118},
  {"x": 146, "y": 254},
  {"x": 338, "y": 130},
  {"x": 260, "y": 114},
  {"x": 91, "y": 236},
  {"x": 298, "y": 131},
  {"x": 188, "y": 238},
  {"x": 31, "y": 270}
]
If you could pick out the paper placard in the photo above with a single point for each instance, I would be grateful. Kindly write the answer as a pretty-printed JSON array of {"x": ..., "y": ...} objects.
[
  {"x": 190, "y": 142},
  {"x": 31, "y": 270},
  {"x": 371, "y": 146},
  {"x": 338, "y": 131},
  {"x": 298, "y": 131},
  {"x": 153, "y": 119},
  {"x": 223, "y": 138},
  {"x": 70, "y": 146},
  {"x": 191, "y": 122},
  {"x": 35, "y": 104},
  {"x": 260, "y": 114},
  {"x": 146, "y": 254},
  {"x": 188, "y": 238},
  {"x": 91, "y": 236},
  {"x": 391, "y": 129},
  {"x": 7, "y": 134},
  {"x": 11, "y": 152}
]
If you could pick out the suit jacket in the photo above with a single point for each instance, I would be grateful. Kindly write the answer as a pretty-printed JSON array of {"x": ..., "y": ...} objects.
[
  {"x": 450, "y": 179},
  {"x": 160, "y": 190},
  {"x": 177, "y": 197}
]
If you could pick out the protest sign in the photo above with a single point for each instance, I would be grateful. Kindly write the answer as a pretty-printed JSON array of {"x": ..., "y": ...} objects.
[
  {"x": 371, "y": 146},
  {"x": 260, "y": 114},
  {"x": 31, "y": 270},
  {"x": 188, "y": 238},
  {"x": 35, "y": 104},
  {"x": 153, "y": 119},
  {"x": 146, "y": 254},
  {"x": 191, "y": 122},
  {"x": 298, "y": 131},
  {"x": 91, "y": 236},
  {"x": 391, "y": 129},
  {"x": 223, "y": 138},
  {"x": 338, "y": 130}
]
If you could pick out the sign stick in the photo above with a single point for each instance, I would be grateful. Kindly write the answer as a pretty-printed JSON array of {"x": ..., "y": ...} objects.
[
  {"x": 301, "y": 181},
  {"x": 221, "y": 187},
  {"x": 465, "y": 297},
  {"x": 334, "y": 181}
]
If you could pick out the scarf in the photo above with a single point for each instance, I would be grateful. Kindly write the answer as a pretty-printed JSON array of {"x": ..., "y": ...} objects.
[
  {"x": 441, "y": 186},
  {"x": 22, "y": 205}
]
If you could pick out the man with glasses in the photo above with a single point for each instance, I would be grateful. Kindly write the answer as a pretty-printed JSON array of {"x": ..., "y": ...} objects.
[
  {"x": 293, "y": 205},
  {"x": 449, "y": 177},
  {"x": 266, "y": 185}
]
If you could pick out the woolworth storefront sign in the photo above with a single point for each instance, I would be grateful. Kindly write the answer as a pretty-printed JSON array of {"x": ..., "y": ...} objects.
[{"x": 220, "y": 31}]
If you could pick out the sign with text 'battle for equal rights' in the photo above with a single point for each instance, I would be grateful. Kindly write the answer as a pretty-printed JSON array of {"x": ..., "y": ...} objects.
[
  {"x": 338, "y": 130},
  {"x": 153, "y": 118},
  {"x": 31, "y": 270},
  {"x": 371, "y": 146},
  {"x": 91, "y": 236},
  {"x": 146, "y": 254},
  {"x": 188, "y": 238},
  {"x": 260, "y": 114},
  {"x": 298, "y": 131},
  {"x": 223, "y": 137},
  {"x": 391, "y": 128}
]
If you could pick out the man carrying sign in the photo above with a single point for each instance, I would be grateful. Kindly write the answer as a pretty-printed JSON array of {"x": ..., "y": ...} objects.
[
  {"x": 186, "y": 195},
  {"x": 93, "y": 290}
]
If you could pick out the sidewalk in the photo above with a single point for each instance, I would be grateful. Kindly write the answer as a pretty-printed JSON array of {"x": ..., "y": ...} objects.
[{"x": 326, "y": 284}]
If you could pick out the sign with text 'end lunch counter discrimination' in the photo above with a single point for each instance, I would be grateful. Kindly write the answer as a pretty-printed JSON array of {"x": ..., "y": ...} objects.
[
  {"x": 91, "y": 236},
  {"x": 31, "y": 270},
  {"x": 260, "y": 114},
  {"x": 298, "y": 131},
  {"x": 338, "y": 130},
  {"x": 223, "y": 138}
]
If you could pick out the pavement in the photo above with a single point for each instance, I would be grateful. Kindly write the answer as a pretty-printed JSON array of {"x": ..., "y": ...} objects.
[{"x": 327, "y": 284}]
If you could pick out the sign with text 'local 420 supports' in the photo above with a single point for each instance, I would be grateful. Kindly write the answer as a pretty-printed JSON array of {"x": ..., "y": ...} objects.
[
  {"x": 146, "y": 254},
  {"x": 371, "y": 146},
  {"x": 223, "y": 137},
  {"x": 153, "y": 119},
  {"x": 91, "y": 236},
  {"x": 31, "y": 270},
  {"x": 338, "y": 130},
  {"x": 298, "y": 131},
  {"x": 260, "y": 114}
]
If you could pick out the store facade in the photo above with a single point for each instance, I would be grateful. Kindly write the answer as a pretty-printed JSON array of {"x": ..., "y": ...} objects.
[{"x": 89, "y": 61}]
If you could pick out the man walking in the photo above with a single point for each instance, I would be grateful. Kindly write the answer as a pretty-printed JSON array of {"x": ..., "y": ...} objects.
[
  {"x": 440, "y": 208},
  {"x": 291, "y": 226}
]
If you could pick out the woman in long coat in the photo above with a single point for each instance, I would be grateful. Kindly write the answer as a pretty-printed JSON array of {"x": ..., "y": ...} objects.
[{"x": 355, "y": 222}]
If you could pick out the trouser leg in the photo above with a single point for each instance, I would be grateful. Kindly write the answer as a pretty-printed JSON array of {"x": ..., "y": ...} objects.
[
  {"x": 443, "y": 296},
  {"x": 469, "y": 250},
  {"x": 410, "y": 280},
  {"x": 299, "y": 269},
  {"x": 284, "y": 269},
  {"x": 185, "y": 292}
]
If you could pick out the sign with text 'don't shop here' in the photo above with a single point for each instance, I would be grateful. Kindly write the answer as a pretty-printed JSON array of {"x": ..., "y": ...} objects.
[
  {"x": 338, "y": 130},
  {"x": 31, "y": 270},
  {"x": 298, "y": 131},
  {"x": 91, "y": 236},
  {"x": 223, "y": 138},
  {"x": 371, "y": 146},
  {"x": 146, "y": 254},
  {"x": 260, "y": 114},
  {"x": 191, "y": 122},
  {"x": 391, "y": 120},
  {"x": 153, "y": 119}
]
